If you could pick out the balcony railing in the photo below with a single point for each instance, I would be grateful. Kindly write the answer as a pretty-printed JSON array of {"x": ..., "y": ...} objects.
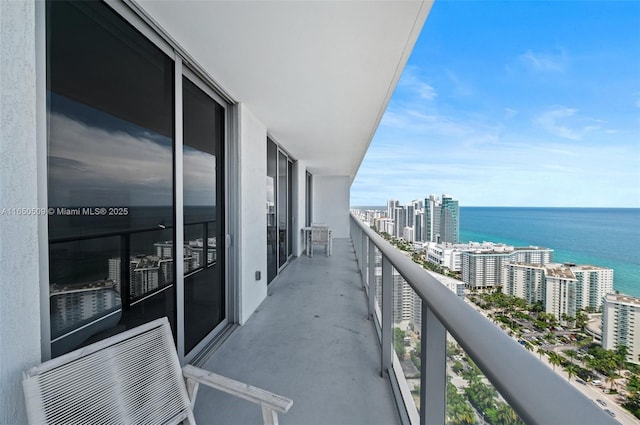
[{"x": 536, "y": 393}]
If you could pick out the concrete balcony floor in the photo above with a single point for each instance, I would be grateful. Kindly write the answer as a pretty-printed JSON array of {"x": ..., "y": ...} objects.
[{"x": 311, "y": 341}]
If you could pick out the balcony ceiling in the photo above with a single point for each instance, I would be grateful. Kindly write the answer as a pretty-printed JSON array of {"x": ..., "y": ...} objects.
[{"x": 318, "y": 74}]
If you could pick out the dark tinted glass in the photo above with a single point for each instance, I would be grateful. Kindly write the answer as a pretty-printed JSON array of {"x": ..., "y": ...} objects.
[
  {"x": 272, "y": 224},
  {"x": 290, "y": 208},
  {"x": 204, "y": 284},
  {"x": 110, "y": 175},
  {"x": 283, "y": 225}
]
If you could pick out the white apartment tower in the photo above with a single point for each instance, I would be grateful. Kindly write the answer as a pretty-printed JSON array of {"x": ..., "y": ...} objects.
[
  {"x": 409, "y": 234},
  {"x": 562, "y": 288},
  {"x": 524, "y": 281},
  {"x": 482, "y": 266},
  {"x": 482, "y": 270},
  {"x": 560, "y": 291},
  {"x": 620, "y": 322},
  {"x": 593, "y": 284}
]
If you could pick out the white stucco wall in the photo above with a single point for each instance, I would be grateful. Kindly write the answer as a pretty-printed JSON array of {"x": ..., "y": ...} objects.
[
  {"x": 252, "y": 212},
  {"x": 19, "y": 265},
  {"x": 331, "y": 203},
  {"x": 300, "y": 208}
]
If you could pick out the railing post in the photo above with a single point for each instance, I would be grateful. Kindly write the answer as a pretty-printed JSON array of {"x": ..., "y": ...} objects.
[
  {"x": 372, "y": 280},
  {"x": 433, "y": 369},
  {"x": 360, "y": 259},
  {"x": 387, "y": 315},
  {"x": 355, "y": 240},
  {"x": 365, "y": 257}
]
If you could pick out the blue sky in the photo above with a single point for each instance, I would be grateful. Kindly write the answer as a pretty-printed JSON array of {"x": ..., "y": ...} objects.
[{"x": 514, "y": 103}]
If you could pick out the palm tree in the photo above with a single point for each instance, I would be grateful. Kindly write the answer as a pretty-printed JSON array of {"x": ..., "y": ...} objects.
[
  {"x": 541, "y": 351},
  {"x": 528, "y": 346},
  {"x": 505, "y": 415},
  {"x": 633, "y": 384},
  {"x": 611, "y": 380},
  {"x": 554, "y": 359},
  {"x": 593, "y": 364},
  {"x": 581, "y": 320},
  {"x": 621, "y": 356},
  {"x": 571, "y": 370},
  {"x": 571, "y": 354}
]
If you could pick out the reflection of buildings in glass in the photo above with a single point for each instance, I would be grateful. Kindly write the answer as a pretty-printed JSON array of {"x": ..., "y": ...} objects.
[
  {"x": 194, "y": 249},
  {"x": 73, "y": 305},
  {"x": 164, "y": 249},
  {"x": 144, "y": 274},
  {"x": 150, "y": 272},
  {"x": 114, "y": 273}
]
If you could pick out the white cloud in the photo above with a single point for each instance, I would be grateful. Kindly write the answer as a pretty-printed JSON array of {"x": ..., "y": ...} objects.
[
  {"x": 553, "y": 122},
  {"x": 544, "y": 62},
  {"x": 82, "y": 166},
  {"x": 509, "y": 113},
  {"x": 415, "y": 85},
  {"x": 459, "y": 87},
  {"x": 566, "y": 123}
]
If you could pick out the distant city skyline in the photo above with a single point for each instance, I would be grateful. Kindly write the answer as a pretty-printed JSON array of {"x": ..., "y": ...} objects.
[{"x": 514, "y": 104}]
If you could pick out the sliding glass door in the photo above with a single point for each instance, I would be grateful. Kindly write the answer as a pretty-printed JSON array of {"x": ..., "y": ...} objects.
[
  {"x": 203, "y": 183},
  {"x": 279, "y": 209},
  {"x": 113, "y": 191},
  {"x": 272, "y": 218}
]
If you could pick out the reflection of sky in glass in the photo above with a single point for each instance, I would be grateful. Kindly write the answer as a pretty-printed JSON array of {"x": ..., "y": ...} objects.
[
  {"x": 270, "y": 191},
  {"x": 98, "y": 159},
  {"x": 199, "y": 177}
]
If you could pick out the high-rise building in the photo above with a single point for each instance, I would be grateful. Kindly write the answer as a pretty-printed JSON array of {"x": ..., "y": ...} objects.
[
  {"x": 418, "y": 225},
  {"x": 524, "y": 280},
  {"x": 431, "y": 217},
  {"x": 392, "y": 204},
  {"x": 400, "y": 220},
  {"x": 482, "y": 265},
  {"x": 563, "y": 289},
  {"x": 621, "y": 323},
  {"x": 559, "y": 291},
  {"x": 593, "y": 283},
  {"x": 410, "y": 215},
  {"x": 449, "y": 220},
  {"x": 408, "y": 234},
  {"x": 441, "y": 219}
]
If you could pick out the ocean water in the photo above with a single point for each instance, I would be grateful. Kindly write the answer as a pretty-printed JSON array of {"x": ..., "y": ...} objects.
[{"x": 606, "y": 237}]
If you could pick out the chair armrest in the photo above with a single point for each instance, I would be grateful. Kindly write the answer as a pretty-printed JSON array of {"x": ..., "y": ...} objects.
[{"x": 238, "y": 389}]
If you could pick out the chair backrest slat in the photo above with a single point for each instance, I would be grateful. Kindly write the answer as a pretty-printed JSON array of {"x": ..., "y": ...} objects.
[{"x": 131, "y": 378}]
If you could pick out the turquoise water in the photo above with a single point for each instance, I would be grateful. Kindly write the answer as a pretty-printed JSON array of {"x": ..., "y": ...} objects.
[{"x": 606, "y": 237}]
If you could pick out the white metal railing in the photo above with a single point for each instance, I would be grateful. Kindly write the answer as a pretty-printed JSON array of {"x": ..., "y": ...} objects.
[{"x": 536, "y": 393}]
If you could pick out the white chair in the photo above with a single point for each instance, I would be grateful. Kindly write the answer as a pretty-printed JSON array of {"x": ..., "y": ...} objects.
[
  {"x": 320, "y": 235},
  {"x": 131, "y": 378}
]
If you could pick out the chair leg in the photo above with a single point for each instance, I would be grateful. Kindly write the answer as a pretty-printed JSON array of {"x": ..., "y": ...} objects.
[{"x": 269, "y": 417}]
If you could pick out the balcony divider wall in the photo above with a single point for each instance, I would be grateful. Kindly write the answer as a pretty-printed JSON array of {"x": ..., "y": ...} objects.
[{"x": 517, "y": 374}]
